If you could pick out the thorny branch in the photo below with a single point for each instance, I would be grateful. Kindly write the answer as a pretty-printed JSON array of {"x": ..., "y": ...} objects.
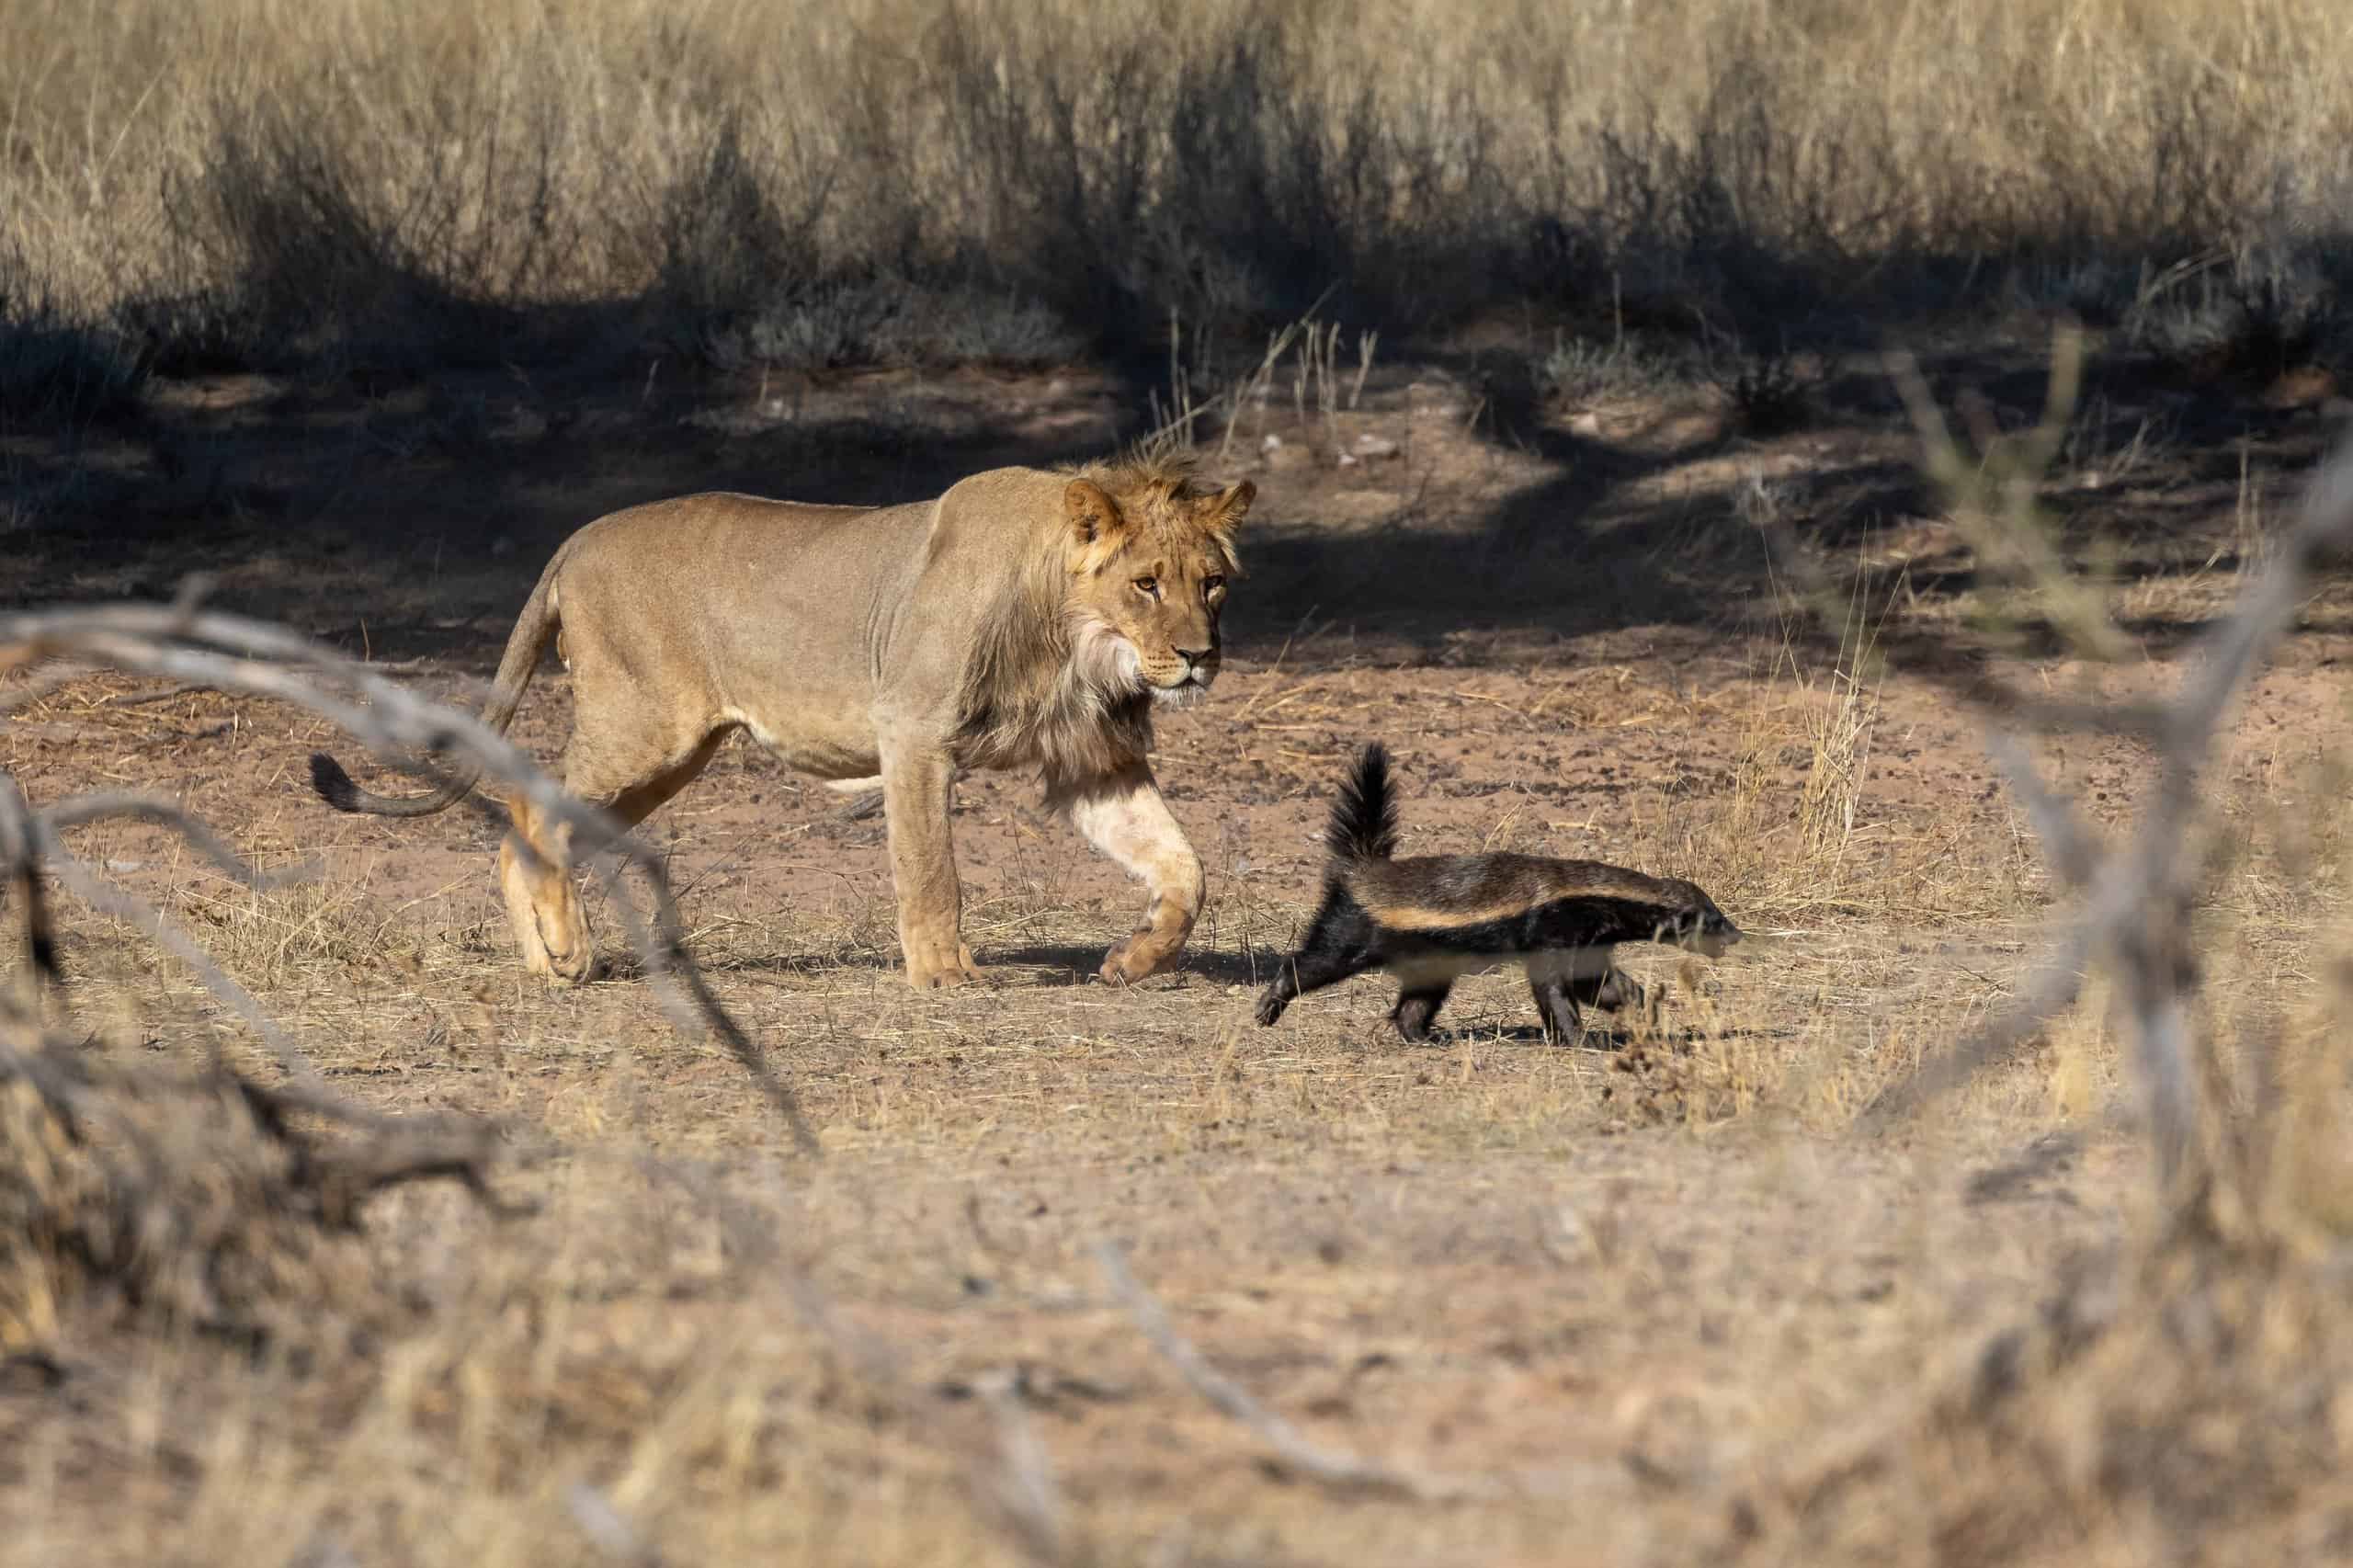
[
  {"x": 2137, "y": 895},
  {"x": 1291, "y": 1448},
  {"x": 1006, "y": 1469},
  {"x": 232, "y": 653}
]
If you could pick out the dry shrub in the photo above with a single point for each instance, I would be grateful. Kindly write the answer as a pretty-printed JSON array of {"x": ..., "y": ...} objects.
[
  {"x": 252, "y": 180},
  {"x": 1691, "y": 1076},
  {"x": 2179, "y": 1399},
  {"x": 2195, "y": 1406},
  {"x": 191, "y": 1200},
  {"x": 2180, "y": 1396}
]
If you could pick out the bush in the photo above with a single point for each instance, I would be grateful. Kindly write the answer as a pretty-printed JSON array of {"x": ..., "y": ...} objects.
[{"x": 801, "y": 184}]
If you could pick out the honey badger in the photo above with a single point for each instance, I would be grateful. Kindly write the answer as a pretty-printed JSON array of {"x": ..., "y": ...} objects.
[{"x": 1429, "y": 919}]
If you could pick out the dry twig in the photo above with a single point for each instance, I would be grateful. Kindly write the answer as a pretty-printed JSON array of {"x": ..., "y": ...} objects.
[
  {"x": 232, "y": 653},
  {"x": 1292, "y": 1451},
  {"x": 2138, "y": 894},
  {"x": 1006, "y": 1469}
]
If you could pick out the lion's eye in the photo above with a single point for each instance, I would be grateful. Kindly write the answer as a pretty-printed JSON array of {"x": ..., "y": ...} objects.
[
  {"x": 1212, "y": 584},
  {"x": 1148, "y": 586}
]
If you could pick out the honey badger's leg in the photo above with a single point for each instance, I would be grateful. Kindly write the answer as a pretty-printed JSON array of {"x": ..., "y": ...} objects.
[
  {"x": 1303, "y": 971},
  {"x": 1418, "y": 1007},
  {"x": 1336, "y": 947},
  {"x": 1556, "y": 1003},
  {"x": 1122, "y": 814},
  {"x": 1568, "y": 979},
  {"x": 1609, "y": 991}
]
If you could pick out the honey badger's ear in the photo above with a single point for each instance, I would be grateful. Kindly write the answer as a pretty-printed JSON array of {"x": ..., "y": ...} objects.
[{"x": 1092, "y": 517}]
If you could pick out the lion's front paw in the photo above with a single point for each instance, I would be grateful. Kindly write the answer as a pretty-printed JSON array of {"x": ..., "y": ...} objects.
[
  {"x": 1137, "y": 957},
  {"x": 569, "y": 960},
  {"x": 938, "y": 968}
]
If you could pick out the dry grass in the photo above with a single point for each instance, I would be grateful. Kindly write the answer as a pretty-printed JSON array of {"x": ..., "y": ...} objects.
[
  {"x": 1644, "y": 1295},
  {"x": 1652, "y": 1294},
  {"x": 254, "y": 181}
]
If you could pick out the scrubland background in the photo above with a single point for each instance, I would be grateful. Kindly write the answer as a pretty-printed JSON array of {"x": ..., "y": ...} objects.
[{"x": 232, "y": 183}]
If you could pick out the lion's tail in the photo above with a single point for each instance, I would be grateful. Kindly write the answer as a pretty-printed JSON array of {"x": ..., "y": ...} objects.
[{"x": 525, "y": 644}]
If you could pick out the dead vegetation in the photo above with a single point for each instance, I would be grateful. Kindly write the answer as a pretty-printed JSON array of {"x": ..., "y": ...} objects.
[
  {"x": 1078, "y": 1280},
  {"x": 205, "y": 1197},
  {"x": 687, "y": 1350},
  {"x": 195, "y": 1201},
  {"x": 252, "y": 184}
]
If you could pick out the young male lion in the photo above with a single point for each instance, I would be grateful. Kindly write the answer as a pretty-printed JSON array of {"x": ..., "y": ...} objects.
[{"x": 1024, "y": 618}]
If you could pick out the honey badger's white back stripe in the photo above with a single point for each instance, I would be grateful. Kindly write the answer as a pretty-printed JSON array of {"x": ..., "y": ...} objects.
[
  {"x": 1422, "y": 917},
  {"x": 1392, "y": 893}
]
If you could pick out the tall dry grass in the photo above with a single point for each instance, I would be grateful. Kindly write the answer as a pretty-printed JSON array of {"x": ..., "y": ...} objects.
[{"x": 240, "y": 180}]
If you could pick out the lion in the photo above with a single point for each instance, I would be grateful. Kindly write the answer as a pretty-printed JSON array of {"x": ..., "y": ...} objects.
[{"x": 1025, "y": 619}]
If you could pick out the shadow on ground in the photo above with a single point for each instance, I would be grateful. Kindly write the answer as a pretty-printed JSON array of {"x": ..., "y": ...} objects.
[{"x": 409, "y": 520}]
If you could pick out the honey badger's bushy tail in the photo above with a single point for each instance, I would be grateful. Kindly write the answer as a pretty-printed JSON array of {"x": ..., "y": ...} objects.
[
  {"x": 1364, "y": 818},
  {"x": 24, "y": 889}
]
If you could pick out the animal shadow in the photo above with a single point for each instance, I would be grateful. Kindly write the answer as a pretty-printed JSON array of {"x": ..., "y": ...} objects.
[
  {"x": 1611, "y": 1038},
  {"x": 1071, "y": 964}
]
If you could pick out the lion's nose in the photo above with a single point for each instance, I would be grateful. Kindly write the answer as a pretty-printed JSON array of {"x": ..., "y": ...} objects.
[{"x": 1194, "y": 655}]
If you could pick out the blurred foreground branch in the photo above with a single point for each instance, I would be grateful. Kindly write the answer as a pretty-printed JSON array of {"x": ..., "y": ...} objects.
[
  {"x": 1292, "y": 1449},
  {"x": 183, "y": 643},
  {"x": 2134, "y": 915}
]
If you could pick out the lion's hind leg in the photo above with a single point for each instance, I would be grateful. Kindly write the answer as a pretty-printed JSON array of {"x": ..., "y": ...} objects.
[
  {"x": 535, "y": 864},
  {"x": 918, "y": 780},
  {"x": 535, "y": 874}
]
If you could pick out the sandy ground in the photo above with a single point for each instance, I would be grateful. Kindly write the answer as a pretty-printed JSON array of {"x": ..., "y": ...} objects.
[{"x": 1634, "y": 1273}]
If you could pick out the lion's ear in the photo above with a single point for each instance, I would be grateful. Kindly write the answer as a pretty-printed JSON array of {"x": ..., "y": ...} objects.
[
  {"x": 1094, "y": 518},
  {"x": 1225, "y": 510}
]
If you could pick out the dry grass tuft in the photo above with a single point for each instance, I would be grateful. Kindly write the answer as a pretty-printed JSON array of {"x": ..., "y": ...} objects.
[
  {"x": 192, "y": 1200},
  {"x": 1840, "y": 729},
  {"x": 253, "y": 183},
  {"x": 2184, "y": 1401}
]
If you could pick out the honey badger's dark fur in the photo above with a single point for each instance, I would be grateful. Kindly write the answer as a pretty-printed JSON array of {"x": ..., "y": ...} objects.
[
  {"x": 40, "y": 946},
  {"x": 1431, "y": 918}
]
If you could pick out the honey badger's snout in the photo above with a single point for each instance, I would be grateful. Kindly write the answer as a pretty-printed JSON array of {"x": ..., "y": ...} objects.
[
  {"x": 1714, "y": 935},
  {"x": 1705, "y": 930}
]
